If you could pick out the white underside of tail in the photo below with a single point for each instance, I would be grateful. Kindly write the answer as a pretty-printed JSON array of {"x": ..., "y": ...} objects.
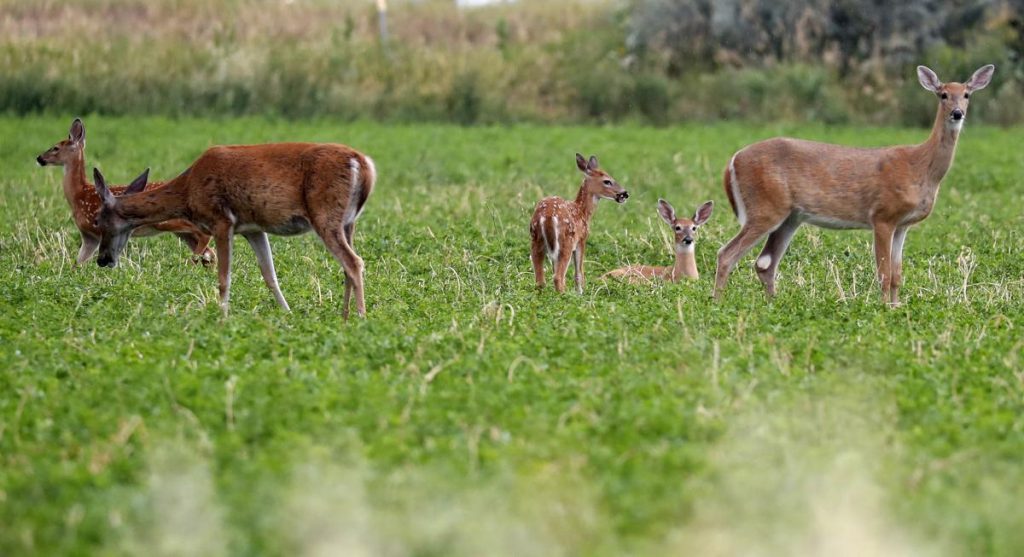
[
  {"x": 550, "y": 249},
  {"x": 354, "y": 192},
  {"x": 553, "y": 253},
  {"x": 734, "y": 187},
  {"x": 370, "y": 180}
]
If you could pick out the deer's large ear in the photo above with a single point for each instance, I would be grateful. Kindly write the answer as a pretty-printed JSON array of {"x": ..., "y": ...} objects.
[
  {"x": 703, "y": 213},
  {"x": 928, "y": 79},
  {"x": 77, "y": 132},
  {"x": 668, "y": 214},
  {"x": 101, "y": 188},
  {"x": 981, "y": 78},
  {"x": 137, "y": 184},
  {"x": 592, "y": 163},
  {"x": 581, "y": 163}
]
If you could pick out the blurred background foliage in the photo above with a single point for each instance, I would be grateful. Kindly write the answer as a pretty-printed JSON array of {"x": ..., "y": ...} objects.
[{"x": 654, "y": 61}]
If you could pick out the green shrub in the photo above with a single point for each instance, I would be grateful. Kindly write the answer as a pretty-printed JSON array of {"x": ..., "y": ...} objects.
[
  {"x": 651, "y": 98},
  {"x": 532, "y": 61},
  {"x": 464, "y": 102}
]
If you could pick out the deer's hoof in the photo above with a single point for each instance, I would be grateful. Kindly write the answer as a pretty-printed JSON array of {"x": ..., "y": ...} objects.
[{"x": 206, "y": 259}]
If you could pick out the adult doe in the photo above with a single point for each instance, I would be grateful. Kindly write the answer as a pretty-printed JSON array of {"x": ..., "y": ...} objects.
[
  {"x": 85, "y": 204},
  {"x": 559, "y": 228},
  {"x": 253, "y": 190},
  {"x": 776, "y": 185},
  {"x": 685, "y": 245}
]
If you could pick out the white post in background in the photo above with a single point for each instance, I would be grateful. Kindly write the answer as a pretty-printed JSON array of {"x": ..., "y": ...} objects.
[{"x": 382, "y": 18}]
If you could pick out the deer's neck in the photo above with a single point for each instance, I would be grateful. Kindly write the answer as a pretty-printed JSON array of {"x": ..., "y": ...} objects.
[
  {"x": 686, "y": 263},
  {"x": 585, "y": 204},
  {"x": 157, "y": 204},
  {"x": 74, "y": 179},
  {"x": 938, "y": 151}
]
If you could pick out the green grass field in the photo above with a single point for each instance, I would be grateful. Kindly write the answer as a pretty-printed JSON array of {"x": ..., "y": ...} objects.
[{"x": 470, "y": 415}]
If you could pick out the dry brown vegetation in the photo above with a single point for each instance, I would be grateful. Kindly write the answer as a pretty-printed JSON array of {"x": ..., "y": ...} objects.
[{"x": 656, "y": 61}]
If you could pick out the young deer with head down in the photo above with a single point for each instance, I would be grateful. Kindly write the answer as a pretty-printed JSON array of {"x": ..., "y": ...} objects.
[
  {"x": 85, "y": 204},
  {"x": 776, "y": 185},
  {"x": 685, "y": 246},
  {"x": 559, "y": 228},
  {"x": 253, "y": 190}
]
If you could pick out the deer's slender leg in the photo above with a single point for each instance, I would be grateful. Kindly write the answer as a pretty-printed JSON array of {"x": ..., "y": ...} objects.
[
  {"x": 350, "y": 234},
  {"x": 899, "y": 237},
  {"x": 767, "y": 263},
  {"x": 750, "y": 234},
  {"x": 199, "y": 244},
  {"x": 336, "y": 242},
  {"x": 577, "y": 259},
  {"x": 261, "y": 246},
  {"x": 224, "y": 236},
  {"x": 537, "y": 257},
  {"x": 883, "y": 256},
  {"x": 561, "y": 266}
]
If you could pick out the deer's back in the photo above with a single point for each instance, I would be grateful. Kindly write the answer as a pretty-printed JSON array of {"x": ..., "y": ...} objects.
[
  {"x": 272, "y": 185},
  {"x": 279, "y": 162},
  {"x": 847, "y": 183},
  {"x": 555, "y": 212}
]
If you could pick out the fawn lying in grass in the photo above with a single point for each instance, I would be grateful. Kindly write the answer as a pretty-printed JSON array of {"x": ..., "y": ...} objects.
[{"x": 685, "y": 244}]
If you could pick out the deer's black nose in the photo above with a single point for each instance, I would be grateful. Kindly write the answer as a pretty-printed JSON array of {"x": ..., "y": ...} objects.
[
  {"x": 958, "y": 114},
  {"x": 687, "y": 241},
  {"x": 40, "y": 160},
  {"x": 622, "y": 197}
]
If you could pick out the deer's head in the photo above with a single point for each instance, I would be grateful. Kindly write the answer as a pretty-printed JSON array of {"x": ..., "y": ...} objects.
[
  {"x": 114, "y": 227},
  {"x": 66, "y": 150},
  {"x": 685, "y": 229},
  {"x": 954, "y": 97},
  {"x": 599, "y": 183}
]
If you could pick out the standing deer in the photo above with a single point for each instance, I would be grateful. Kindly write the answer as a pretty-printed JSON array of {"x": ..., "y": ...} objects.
[
  {"x": 776, "y": 185},
  {"x": 85, "y": 204},
  {"x": 559, "y": 228},
  {"x": 253, "y": 190},
  {"x": 685, "y": 265}
]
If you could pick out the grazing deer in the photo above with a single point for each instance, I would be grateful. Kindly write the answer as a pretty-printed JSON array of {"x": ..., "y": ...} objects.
[
  {"x": 559, "y": 228},
  {"x": 253, "y": 190},
  {"x": 776, "y": 185},
  {"x": 85, "y": 204},
  {"x": 686, "y": 265}
]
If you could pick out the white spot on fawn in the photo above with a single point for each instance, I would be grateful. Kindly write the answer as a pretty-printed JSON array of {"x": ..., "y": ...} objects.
[
  {"x": 553, "y": 254},
  {"x": 764, "y": 262}
]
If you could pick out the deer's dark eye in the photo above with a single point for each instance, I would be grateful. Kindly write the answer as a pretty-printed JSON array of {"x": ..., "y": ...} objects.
[
  {"x": 945, "y": 96},
  {"x": 679, "y": 228},
  {"x": 967, "y": 95},
  {"x": 607, "y": 182}
]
